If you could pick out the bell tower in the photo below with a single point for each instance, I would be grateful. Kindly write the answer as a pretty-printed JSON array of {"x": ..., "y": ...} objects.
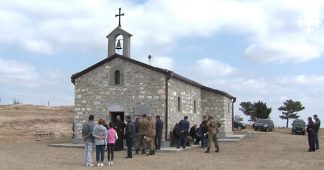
[{"x": 119, "y": 39}]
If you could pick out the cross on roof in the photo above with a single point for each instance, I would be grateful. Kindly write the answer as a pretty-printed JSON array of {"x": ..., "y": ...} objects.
[{"x": 119, "y": 15}]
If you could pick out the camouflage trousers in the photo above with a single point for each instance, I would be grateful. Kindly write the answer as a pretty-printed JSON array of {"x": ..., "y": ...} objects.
[
  {"x": 141, "y": 144},
  {"x": 150, "y": 142},
  {"x": 212, "y": 137}
]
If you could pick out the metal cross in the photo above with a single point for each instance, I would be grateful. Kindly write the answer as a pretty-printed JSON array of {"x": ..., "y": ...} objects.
[{"x": 119, "y": 15}]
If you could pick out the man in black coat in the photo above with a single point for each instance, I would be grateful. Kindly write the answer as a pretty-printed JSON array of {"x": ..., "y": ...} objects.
[
  {"x": 158, "y": 132},
  {"x": 184, "y": 129},
  {"x": 317, "y": 125},
  {"x": 310, "y": 134},
  {"x": 129, "y": 135},
  {"x": 119, "y": 127},
  {"x": 204, "y": 130}
]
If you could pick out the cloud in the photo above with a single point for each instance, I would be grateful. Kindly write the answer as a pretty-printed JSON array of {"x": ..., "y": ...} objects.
[
  {"x": 212, "y": 68},
  {"x": 21, "y": 74},
  {"x": 270, "y": 26},
  {"x": 163, "y": 62},
  {"x": 303, "y": 80},
  {"x": 159, "y": 61},
  {"x": 14, "y": 72},
  {"x": 38, "y": 46},
  {"x": 274, "y": 91},
  {"x": 282, "y": 52},
  {"x": 22, "y": 81}
]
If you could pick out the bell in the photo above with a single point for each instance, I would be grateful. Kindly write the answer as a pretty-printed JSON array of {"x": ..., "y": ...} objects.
[{"x": 118, "y": 46}]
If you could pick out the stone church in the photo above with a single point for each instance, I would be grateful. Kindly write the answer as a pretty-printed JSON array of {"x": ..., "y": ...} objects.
[{"x": 120, "y": 85}]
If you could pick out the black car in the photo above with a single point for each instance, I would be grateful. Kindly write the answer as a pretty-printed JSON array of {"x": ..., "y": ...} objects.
[
  {"x": 239, "y": 125},
  {"x": 263, "y": 124},
  {"x": 298, "y": 127}
]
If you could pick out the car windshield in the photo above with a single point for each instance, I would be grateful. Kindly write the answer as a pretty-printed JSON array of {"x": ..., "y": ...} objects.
[
  {"x": 299, "y": 123},
  {"x": 262, "y": 121}
]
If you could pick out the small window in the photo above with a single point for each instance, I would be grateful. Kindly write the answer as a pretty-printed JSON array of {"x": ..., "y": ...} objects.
[
  {"x": 179, "y": 104},
  {"x": 117, "y": 77},
  {"x": 195, "y": 107}
]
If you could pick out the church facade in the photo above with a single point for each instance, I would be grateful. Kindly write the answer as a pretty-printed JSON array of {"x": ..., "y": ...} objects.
[{"x": 120, "y": 85}]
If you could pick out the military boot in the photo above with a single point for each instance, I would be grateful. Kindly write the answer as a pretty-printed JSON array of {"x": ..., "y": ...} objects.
[
  {"x": 150, "y": 153},
  {"x": 217, "y": 149},
  {"x": 136, "y": 152},
  {"x": 207, "y": 151},
  {"x": 153, "y": 152},
  {"x": 143, "y": 152}
]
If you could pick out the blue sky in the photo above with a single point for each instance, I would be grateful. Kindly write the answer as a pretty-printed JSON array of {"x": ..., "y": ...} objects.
[{"x": 268, "y": 50}]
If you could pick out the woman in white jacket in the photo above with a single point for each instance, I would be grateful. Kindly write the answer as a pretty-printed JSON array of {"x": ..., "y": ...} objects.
[{"x": 100, "y": 140}]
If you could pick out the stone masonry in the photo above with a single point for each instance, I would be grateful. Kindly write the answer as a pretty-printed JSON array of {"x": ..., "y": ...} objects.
[
  {"x": 144, "y": 86},
  {"x": 94, "y": 95}
]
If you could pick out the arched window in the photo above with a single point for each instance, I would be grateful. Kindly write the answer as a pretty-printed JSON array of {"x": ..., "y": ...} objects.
[{"x": 117, "y": 77}]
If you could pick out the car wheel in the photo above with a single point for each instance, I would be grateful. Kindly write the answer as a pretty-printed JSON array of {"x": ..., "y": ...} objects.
[{"x": 256, "y": 129}]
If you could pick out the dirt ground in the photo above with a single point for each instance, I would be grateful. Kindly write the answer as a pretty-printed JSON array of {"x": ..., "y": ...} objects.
[
  {"x": 268, "y": 150},
  {"x": 19, "y": 123}
]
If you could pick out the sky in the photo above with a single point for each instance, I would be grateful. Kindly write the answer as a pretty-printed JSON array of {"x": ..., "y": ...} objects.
[{"x": 255, "y": 50}]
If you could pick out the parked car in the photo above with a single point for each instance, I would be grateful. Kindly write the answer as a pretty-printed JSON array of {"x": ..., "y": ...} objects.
[
  {"x": 239, "y": 125},
  {"x": 298, "y": 127},
  {"x": 264, "y": 124}
]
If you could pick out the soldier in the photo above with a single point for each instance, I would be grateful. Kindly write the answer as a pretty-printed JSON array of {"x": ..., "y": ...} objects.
[
  {"x": 212, "y": 133},
  {"x": 150, "y": 136},
  {"x": 143, "y": 123}
]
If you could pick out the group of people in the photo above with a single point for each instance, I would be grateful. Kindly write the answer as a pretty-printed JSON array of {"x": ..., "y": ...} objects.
[
  {"x": 148, "y": 135},
  {"x": 143, "y": 132},
  {"x": 312, "y": 132},
  {"x": 205, "y": 133}
]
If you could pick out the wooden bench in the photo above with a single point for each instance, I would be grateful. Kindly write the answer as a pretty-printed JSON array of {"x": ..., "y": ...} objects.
[{"x": 40, "y": 136}]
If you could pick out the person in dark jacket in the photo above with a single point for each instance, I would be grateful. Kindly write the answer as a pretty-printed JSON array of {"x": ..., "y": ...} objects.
[
  {"x": 310, "y": 134},
  {"x": 204, "y": 130},
  {"x": 119, "y": 126},
  {"x": 193, "y": 134},
  {"x": 158, "y": 132},
  {"x": 184, "y": 129},
  {"x": 88, "y": 140},
  {"x": 129, "y": 135},
  {"x": 136, "y": 139},
  {"x": 317, "y": 125},
  {"x": 175, "y": 135}
]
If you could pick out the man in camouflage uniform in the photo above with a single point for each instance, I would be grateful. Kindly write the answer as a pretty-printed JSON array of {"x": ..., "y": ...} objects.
[
  {"x": 143, "y": 125},
  {"x": 212, "y": 133},
  {"x": 150, "y": 136}
]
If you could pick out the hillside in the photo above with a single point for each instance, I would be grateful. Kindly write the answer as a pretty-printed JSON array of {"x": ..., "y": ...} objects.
[{"x": 19, "y": 123}]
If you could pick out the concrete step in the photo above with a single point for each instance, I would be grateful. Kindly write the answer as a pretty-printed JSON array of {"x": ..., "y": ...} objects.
[{"x": 234, "y": 136}]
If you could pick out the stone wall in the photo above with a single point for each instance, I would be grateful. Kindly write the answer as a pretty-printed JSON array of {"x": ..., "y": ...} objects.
[
  {"x": 94, "y": 93},
  {"x": 220, "y": 107},
  {"x": 188, "y": 94}
]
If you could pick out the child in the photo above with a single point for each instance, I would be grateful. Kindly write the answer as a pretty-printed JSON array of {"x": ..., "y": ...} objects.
[
  {"x": 111, "y": 139},
  {"x": 100, "y": 134}
]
